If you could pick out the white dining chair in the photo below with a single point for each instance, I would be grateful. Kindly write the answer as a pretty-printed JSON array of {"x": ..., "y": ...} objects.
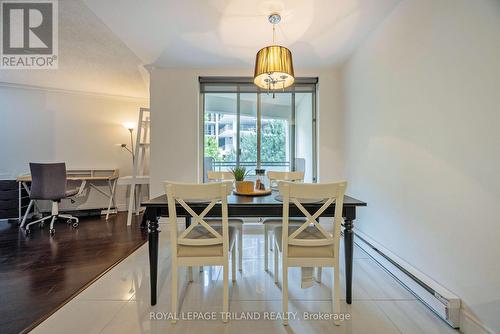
[
  {"x": 309, "y": 244},
  {"x": 215, "y": 176},
  {"x": 270, "y": 223},
  {"x": 201, "y": 243}
]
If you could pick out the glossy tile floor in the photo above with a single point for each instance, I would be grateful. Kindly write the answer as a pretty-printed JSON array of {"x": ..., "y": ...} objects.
[{"x": 119, "y": 301}]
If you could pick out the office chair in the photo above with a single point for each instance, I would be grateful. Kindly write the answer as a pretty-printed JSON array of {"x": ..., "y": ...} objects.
[{"x": 48, "y": 182}]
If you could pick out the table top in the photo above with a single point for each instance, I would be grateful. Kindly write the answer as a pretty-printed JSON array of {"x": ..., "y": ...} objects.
[
  {"x": 139, "y": 179},
  {"x": 235, "y": 200},
  {"x": 82, "y": 175}
]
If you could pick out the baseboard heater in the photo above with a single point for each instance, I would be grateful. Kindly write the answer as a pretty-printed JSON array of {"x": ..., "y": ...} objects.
[{"x": 441, "y": 301}]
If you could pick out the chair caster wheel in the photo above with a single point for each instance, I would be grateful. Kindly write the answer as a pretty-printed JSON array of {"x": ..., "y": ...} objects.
[
  {"x": 27, "y": 232},
  {"x": 52, "y": 232},
  {"x": 75, "y": 225},
  {"x": 41, "y": 225}
]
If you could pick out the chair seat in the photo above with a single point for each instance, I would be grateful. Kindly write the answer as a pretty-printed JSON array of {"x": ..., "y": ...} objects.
[
  {"x": 310, "y": 233},
  {"x": 279, "y": 221},
  {"x": 71, "y": 192},
  {"x": 232, "y": 221},
  {"x": 200, "y": 232}
]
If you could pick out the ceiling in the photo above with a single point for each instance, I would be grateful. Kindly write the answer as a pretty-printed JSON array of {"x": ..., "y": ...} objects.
[
  {"x": 105, "y": 45},
  {"x": 228, "y": 33},
  {"x": 91, "y": 59}
]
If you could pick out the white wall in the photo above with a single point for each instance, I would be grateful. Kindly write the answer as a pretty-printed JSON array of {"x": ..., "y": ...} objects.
[
  {"x": 423, "y": 147},
  {"x": 175, "y": 123},
  {"x": 79, "y": 129}
]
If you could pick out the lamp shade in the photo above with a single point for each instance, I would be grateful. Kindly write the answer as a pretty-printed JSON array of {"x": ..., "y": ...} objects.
[{"x": 274, "y": 68}]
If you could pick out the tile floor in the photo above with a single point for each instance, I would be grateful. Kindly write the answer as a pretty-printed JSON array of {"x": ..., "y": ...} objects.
[{"x": 119, "y": 301}]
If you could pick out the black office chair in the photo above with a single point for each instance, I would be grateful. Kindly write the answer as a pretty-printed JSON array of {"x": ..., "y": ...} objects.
[{"x": 48, "y": 182}]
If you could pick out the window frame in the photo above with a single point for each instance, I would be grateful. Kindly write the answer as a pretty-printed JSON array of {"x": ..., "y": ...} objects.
[{"x": 245, "y": 85}]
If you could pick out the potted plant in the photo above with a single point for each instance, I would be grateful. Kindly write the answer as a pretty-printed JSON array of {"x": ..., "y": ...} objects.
[{"x": 242, "y": 186}]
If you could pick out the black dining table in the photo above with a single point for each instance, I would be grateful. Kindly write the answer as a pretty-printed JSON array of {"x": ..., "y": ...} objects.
[{"x": 247, "y": 207}]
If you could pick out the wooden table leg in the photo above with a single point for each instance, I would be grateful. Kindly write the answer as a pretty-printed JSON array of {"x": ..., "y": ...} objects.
[
  {"x": 153, "y": 257},
  {"x": 348, "y": 252}
]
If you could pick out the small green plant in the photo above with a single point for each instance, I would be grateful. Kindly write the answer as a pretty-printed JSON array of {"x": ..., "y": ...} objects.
[{"x": 239, "y": 173}]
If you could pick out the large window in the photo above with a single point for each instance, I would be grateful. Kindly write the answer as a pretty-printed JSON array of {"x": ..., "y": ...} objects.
[{"x": 245, "y": 126}]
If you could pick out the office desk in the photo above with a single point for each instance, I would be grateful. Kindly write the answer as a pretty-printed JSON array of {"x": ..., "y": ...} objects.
[
  {"x": 87, "y": 178},
  {"x": 245, "y": 207}
]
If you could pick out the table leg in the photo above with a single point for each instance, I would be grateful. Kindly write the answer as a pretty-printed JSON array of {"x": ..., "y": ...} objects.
[
  {"x": 138, "y": 199},
  {"x": 23, "y": 221},
  {"x": 36, "y": 210},
  {"x": 153, "y": 257},
  {"x": 144, "y": 223},
  {"x": 131, "y": 204},
  {"x": 111, "y": 197},
  {"x": 348, "y": 252}
]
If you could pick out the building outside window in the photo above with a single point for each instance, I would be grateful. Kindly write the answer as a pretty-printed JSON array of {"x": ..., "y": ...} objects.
[{"x": 244, "y": 126}]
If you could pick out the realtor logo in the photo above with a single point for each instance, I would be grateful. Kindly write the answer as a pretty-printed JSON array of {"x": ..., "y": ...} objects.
[{"x": 29, "y": 34}]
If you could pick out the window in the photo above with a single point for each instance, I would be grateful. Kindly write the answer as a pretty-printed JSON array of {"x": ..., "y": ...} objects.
[{"x": 246, "y": 126}]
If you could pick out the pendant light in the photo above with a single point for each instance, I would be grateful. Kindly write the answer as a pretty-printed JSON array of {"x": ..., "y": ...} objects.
[{"x": 273, "y": 64}]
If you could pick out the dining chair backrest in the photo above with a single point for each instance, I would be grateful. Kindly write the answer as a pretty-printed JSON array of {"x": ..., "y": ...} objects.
[
  {"x": 209, "y": 193},
  {"x": 301, "y": 193},
  {"x": 219, "y": 176},
  {"x": 275, "y": 177}
]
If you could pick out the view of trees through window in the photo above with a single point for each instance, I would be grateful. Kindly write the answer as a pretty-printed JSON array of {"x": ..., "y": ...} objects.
[
  {"x": 231, "y": 135},
  {"x": 273, "y": 147},
  {"x": 231, "y": 126}
]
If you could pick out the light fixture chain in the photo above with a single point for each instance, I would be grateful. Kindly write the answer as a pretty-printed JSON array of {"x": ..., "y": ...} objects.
[{"x": 274, "y": 34}]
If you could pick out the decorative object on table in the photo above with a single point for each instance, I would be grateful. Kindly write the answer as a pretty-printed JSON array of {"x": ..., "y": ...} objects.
[
  {"x": 260, "y": 183},
  {"x": 242, "y": 186},
  {"x": 273, "y": 64},
  {"x": 130, "y": 127},
  {"x": 253, "y": 192}
]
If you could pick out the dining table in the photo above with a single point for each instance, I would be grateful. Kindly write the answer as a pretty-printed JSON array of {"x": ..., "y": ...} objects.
[{"x": 247, "y": 207}]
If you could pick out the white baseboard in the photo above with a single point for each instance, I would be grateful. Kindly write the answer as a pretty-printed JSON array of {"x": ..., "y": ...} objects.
[
  {"x": 462, "y": 318},
  {"x": 121, "y": 207},
  {"x": 470, "y": 324},
  {"x": 437, "y": 298}
]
